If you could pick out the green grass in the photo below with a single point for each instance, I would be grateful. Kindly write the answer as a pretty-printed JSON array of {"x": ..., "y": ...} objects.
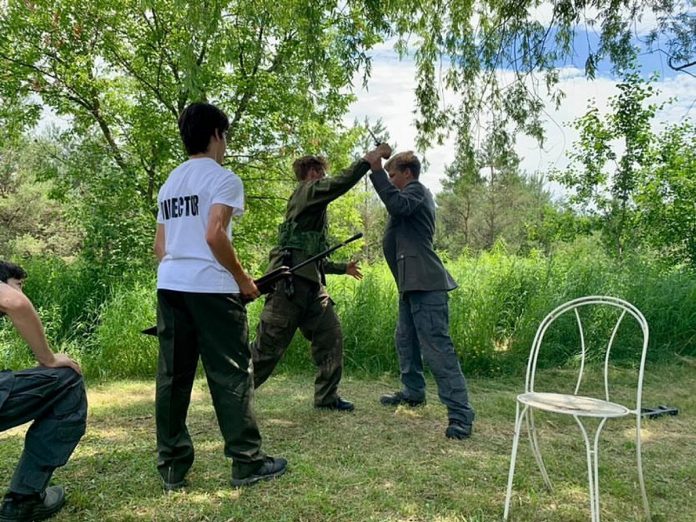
[{"x": 378, "y": 464}]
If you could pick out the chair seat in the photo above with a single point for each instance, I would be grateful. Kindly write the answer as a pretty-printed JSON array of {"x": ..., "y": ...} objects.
[{"x": 573, "y": 404}]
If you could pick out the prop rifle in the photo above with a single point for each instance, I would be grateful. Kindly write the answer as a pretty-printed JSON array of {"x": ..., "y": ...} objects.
[
  {"x": 377, "y": 142},
  {"x": 267, "y": 282}
]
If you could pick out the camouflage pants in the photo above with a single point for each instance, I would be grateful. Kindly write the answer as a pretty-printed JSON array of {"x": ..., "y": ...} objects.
[
  {"x": 55, "y": 399},
  {"x": 311, "y": 310}
]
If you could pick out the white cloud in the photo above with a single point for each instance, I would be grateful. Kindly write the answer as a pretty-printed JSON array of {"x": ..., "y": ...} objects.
[{"x": 390, "y": 96}]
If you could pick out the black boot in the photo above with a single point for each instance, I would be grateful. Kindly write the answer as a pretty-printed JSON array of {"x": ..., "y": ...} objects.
[
  {"x": 337, "y": 405},
  {"x": 458, "y": 430},
  {"x": 398, "y": 399},
  {"x": 271, "y": 468},
  {"x": 27, "y": 508}
]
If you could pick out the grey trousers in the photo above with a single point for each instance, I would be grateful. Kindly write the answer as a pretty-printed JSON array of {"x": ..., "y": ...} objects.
[
  {"x": 55, "y": 399},
  {"x": 213, "y": 327},
  {"x": 423, "y": 333}
]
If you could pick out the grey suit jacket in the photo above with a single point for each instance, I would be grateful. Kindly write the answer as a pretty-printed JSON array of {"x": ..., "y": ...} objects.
[{"x": 408, "y": 238}]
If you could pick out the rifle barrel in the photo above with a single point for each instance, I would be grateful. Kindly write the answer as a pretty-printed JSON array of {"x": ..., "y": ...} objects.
[{"x": 325, "y": 253}]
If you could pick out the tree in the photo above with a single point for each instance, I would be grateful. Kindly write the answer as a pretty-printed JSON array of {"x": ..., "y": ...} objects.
[
  {"x": 486, "y": 198},
  {"x": 502, "y": 55},
  {"x": 119, "y": 74},
  {"x": 609, "y": 158},
  {"x": 130, "y": 67},
  {"x": 461, "y": 189},
  {"x": 667, "y": 194},
  {"x": 31, "y": 223}
]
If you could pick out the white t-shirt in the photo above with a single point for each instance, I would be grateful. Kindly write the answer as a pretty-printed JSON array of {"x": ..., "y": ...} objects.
[{"x": 184, "y": 203}]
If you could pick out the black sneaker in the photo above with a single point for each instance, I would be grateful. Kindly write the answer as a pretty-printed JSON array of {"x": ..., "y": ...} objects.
[
  {"x": 398, "y": 398},
  {"x": 337, "y": 405},
  {"x": 27, "y": 508},
  {"x": 271, "y": 468},
  {"x": 457, "y": 430}
]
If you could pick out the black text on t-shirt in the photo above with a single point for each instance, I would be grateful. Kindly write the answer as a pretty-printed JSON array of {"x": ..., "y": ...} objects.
[{"x": 179, "y": 206}]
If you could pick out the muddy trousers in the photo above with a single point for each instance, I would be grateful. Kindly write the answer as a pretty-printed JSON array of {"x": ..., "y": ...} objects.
[
  {"x": 55, "y": 399},
  {"x": 310, "y": 309}
]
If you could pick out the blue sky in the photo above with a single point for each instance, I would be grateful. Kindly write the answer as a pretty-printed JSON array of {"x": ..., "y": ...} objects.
[{"x": 390, "y": 96}]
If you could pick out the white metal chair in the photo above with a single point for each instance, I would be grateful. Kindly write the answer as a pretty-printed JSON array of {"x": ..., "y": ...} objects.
[{"x": 580, "y": 407}]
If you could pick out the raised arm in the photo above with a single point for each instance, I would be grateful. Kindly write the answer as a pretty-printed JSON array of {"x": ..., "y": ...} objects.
[
  {"x": 398, "y": 202},
  {"x": 327, "y": 189}
]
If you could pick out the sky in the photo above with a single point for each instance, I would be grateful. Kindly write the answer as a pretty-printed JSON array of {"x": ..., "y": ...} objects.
[{"x": 390, "y": 96}]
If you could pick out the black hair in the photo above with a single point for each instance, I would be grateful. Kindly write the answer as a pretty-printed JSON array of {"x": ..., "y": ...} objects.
[
  {"x": 198, "y": 123},
  {"x": 11, "y": 271}
]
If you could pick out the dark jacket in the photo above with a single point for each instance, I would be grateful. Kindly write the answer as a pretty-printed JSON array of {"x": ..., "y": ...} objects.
[
  {"x": 408, "y": 237},
  {"x": 303, "y": 233}
]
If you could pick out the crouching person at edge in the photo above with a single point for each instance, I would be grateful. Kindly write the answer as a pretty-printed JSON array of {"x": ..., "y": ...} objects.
[
  {"x": 52, "y": 395},
  {"x": 302, "y": 301},
  {"x": 200, "y": 284},
  {"x": 422, "y": 330}
]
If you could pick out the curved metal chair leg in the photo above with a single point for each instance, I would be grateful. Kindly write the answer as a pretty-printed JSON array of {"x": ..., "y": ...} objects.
[
  {"x": 596, "y": 465},
  {"x": 590, "y": 467},
  {"x": 534, "y": 441},
  {"x": 513, "y": 457},
  {"x": 592, "y": 452},
  {"x": 641, "y": 480}
]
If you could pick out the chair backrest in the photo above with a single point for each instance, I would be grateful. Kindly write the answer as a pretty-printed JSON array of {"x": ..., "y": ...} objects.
[{"x": 623, "y": 308}]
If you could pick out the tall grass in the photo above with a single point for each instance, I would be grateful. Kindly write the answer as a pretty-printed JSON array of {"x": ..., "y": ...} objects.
[
  {"x": 493, "y": 314},
  {"x": 120, "y": 349}
]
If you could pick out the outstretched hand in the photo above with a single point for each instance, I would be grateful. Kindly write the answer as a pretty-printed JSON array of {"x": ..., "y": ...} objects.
[{"x": 352, "y": 269}]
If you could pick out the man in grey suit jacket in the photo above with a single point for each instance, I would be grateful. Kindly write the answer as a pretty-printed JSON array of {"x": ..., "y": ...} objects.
[{"x": 423, "y": 282}]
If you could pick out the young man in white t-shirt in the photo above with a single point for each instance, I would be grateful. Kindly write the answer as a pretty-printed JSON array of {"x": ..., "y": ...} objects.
[{"x": 200, "y": 285}]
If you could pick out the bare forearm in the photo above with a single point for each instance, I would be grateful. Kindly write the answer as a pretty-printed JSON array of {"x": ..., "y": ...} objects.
[
  {"x": 225, "y": 254},
  {"x": 159, "y": 246}
]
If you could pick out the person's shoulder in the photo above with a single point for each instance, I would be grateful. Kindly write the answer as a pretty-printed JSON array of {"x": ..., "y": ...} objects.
[
  {"x": 416, "y": 186},
  {"x": 10, "y": 298},
  {"x": 226, "y": 176}
]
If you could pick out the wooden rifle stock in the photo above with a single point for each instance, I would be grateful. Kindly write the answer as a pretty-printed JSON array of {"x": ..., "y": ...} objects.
[{"x": 266, "y": 282}]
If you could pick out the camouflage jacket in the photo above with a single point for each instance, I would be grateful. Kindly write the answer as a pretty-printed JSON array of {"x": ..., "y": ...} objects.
[{"x": 303, "y": 233}]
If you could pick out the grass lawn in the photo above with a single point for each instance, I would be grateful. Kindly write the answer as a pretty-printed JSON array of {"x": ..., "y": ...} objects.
[{"x": 377, "y": 463}]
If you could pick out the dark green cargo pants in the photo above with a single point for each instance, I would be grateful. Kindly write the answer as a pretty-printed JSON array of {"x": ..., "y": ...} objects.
[
  {"x": 213, "y": 326},
  {"x": 55, "y": 399},
  {"x": 311, "y": 310}
]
